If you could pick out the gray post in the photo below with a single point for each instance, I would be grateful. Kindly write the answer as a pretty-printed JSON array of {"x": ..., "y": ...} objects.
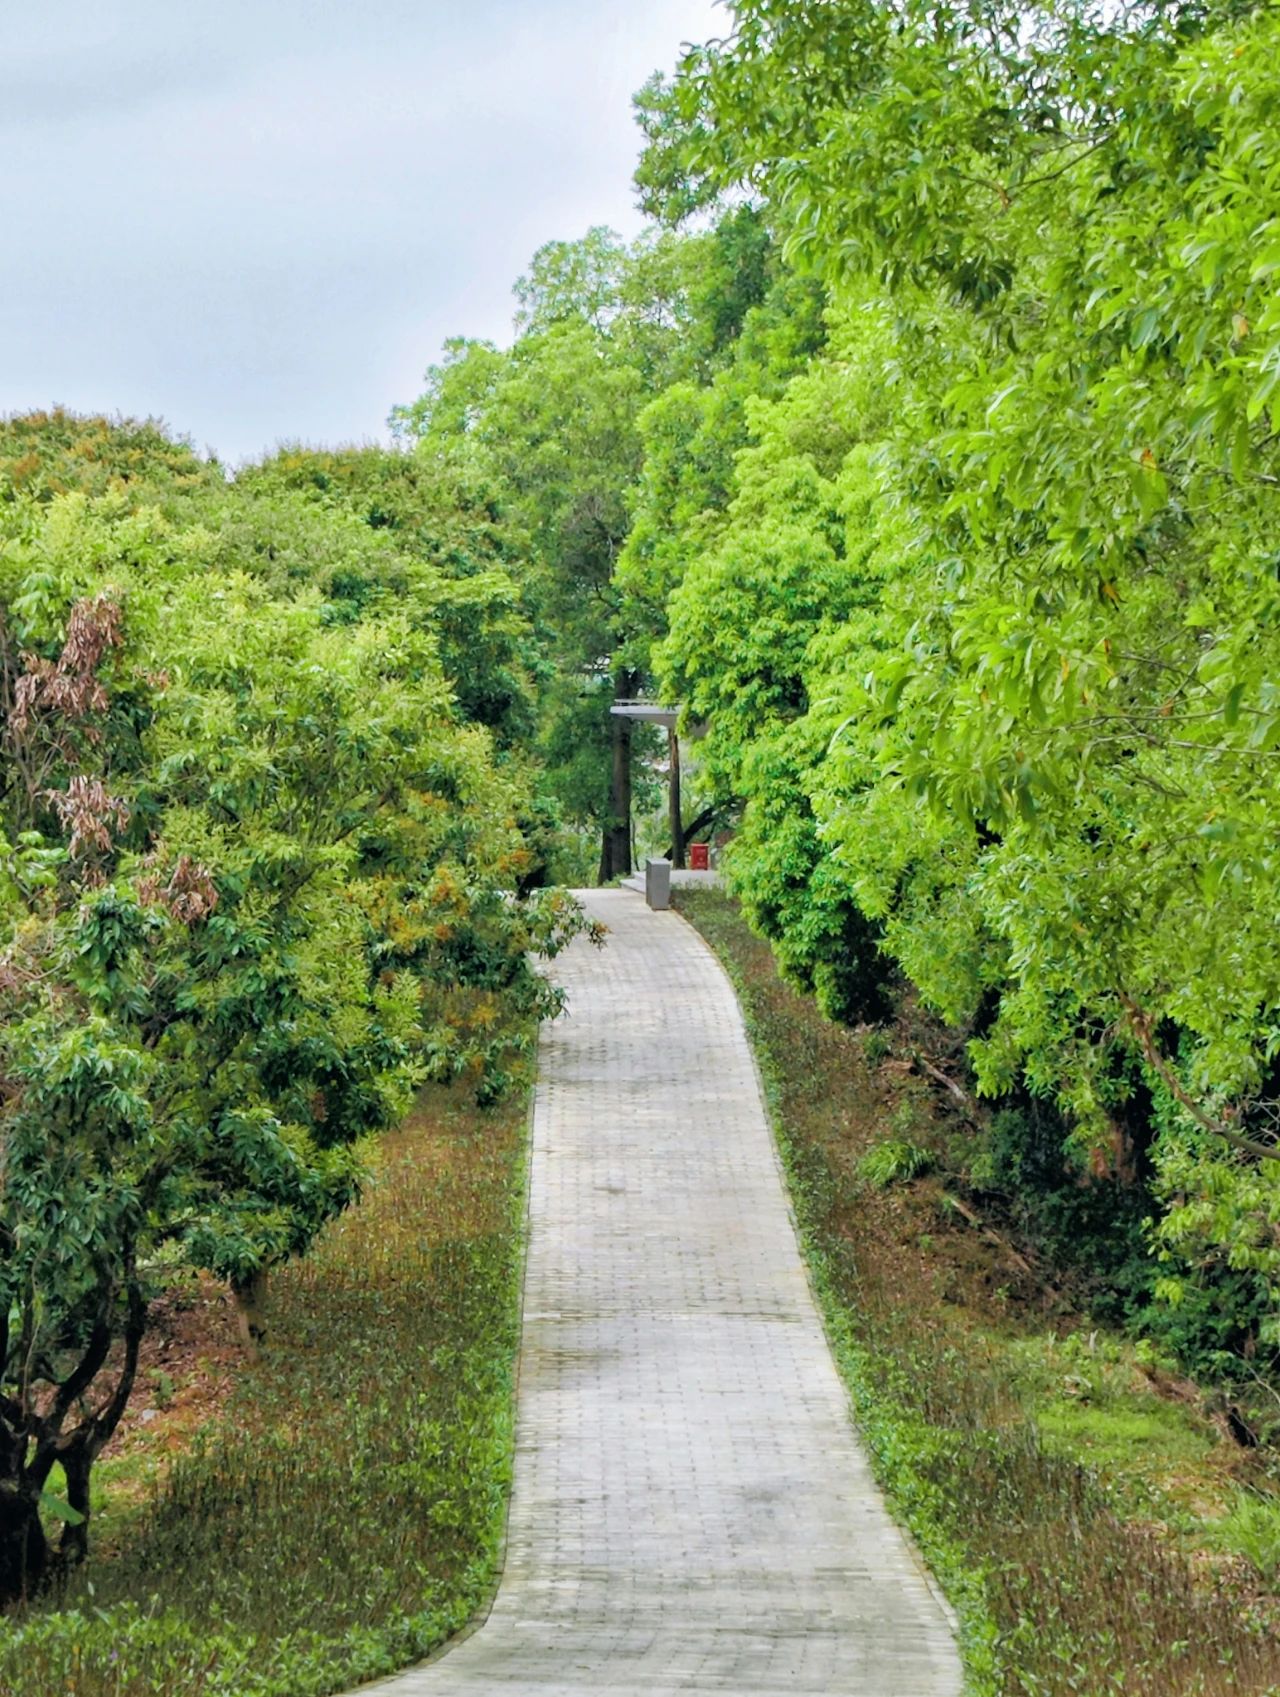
[
  {"x": 677, "y": 828},
  {"x": 657, "y": 884}
]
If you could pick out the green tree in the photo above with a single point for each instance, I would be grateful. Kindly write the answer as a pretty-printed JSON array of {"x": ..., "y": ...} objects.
[
  {"x": 1054, "y": 786},
  {"x": 616, "y": 360},
  {"x": 785, "y": 573},
  {"x": 554, "y": 426},
  {"x": 255, "y": 887}
]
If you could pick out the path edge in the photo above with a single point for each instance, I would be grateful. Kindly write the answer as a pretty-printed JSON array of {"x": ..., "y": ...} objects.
[
  {"x": 940, "y": 1597},
  {"x": 480, "y": 1618}
]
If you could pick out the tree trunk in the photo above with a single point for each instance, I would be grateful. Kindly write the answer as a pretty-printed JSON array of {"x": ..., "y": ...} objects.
[
  {"x": 250, "y": 1296},
  {"x": 677, "y": 827},
  {"x": 26, "y": 1563},
  {"x": 24, "y": 1549},
  {"x": 77, "y": 1462},
  {"x": 620, "y": 801}
]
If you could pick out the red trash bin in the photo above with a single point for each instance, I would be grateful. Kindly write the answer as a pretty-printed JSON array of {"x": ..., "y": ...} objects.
[{"x": 699, "y": 857}]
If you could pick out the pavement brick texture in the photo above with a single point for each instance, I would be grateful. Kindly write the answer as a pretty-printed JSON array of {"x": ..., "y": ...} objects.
[{"x": 692, "y": 1511}]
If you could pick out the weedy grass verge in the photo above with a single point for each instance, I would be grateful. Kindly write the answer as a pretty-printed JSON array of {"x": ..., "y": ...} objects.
[
  {"x": 344, "y": 1514},
  {"x": 1064, "y": 1579}
]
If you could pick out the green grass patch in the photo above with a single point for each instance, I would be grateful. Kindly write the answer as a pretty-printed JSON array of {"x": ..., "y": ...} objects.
[
  {"x": 1119, "y": 1437},
  {"x": 1087, "y": 1397},
  {"x": 1251, "y": 1529},
  {"x": 1031, "y": 1469},
  {"x": 344, "y": 1514},
  {"x": 894, "y": 1161}
]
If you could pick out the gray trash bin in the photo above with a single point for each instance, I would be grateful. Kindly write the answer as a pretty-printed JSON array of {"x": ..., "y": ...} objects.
[{"x": 657, "y": 884}]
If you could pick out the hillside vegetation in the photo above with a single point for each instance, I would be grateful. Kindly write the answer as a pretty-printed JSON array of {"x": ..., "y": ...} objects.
[
  {"x": 1092, "y": 1523},
  {"x": 925, "y": 448}
]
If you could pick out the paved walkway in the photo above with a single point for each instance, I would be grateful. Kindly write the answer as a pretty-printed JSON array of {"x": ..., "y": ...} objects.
[{"x": 691, "y": 1510}]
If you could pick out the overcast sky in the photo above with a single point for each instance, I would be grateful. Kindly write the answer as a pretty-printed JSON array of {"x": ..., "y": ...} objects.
[{"x": 259, "y": 219}]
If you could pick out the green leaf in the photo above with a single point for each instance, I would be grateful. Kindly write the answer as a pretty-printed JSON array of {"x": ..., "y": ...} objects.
[{"x": 60, "y": 1509}]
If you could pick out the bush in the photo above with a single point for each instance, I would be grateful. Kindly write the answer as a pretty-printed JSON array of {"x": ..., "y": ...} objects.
[
  {"x": 894, "y": 1162},
  {"x": 1252, "y": 1529}
]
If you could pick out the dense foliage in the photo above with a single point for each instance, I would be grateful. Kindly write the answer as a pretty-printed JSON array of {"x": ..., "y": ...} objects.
[
  {"x": 256, "y": 888},
  {"x": 985, "y": 622},
  {"x": 934, "y": 467},
  {"x": 926, "y": 448},
  {"x": 618, "y": 349}
]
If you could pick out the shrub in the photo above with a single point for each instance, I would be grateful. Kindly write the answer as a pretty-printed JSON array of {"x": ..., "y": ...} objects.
[{"x": 894, "y": 1162}]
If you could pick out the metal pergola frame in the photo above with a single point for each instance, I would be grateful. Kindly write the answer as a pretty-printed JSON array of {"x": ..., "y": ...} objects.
[{"x": 654, "y": 713}]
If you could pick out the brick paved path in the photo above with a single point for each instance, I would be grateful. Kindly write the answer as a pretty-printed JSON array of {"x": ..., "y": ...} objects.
[{"x": 691, "y": 1510}]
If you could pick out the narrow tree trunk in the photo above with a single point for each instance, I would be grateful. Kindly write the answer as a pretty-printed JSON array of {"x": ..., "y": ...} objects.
[
  {"x": 24, "y": 1549},
  {"x": 620, "y": 802},
  {"x": 250, "y": 1295},
  {"x": 677, "y": 827},
  {"x": 77, "y": 1462}
]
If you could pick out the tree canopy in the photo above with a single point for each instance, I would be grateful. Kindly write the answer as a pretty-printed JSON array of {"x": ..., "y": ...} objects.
[
  {"x": 258, "y": 855},
  {"x": 926, "y": 450},
  {"x": 1014, "y": 585}
]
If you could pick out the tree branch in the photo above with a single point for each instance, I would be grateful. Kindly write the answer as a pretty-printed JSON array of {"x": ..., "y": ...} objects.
[{"x": 1140, "y": 1024}]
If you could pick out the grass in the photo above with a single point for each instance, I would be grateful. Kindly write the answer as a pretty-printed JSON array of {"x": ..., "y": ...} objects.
[
  {"x": 343, "y": 1514},
  {"x": 1065, "y": 1508},
  {"x": 1252, "y": 1530},
  {"x": 894, "y": 1161}
]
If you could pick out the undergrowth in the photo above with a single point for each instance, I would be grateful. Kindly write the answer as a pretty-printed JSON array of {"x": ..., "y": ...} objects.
[
  {"x": 1061, "y": 1584},
  {"x": 345, "y": 1512}
]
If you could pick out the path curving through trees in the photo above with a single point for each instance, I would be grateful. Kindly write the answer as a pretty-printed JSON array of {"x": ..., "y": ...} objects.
[{"x": 692, "y": 1511}]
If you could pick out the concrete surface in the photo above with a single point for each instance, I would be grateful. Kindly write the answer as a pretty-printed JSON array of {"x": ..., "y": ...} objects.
[{"x": 692, "y": 1511}]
